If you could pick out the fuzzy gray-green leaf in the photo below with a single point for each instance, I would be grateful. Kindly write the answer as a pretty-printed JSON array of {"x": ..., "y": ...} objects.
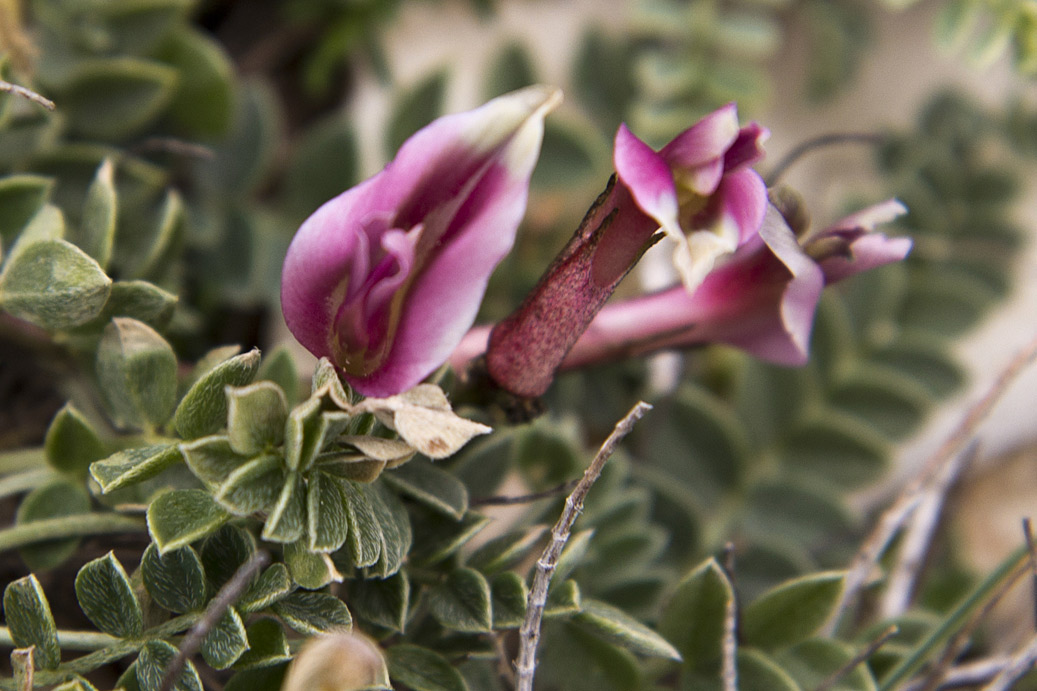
[
  {"x": 152, "y": 663},
  {"x": 365, "y": 532},
  {"x": 138, "y": 300},
  {"x": 175, "y": 580},
  {"x": 432, "y": 486},
  {"x": 255, "y": 417},
  {"x": 212, "y": 459},
  {"x": 226, "y": 641},
  {"x": 272, "y": 585},
  {"x": 179, "y": 517},
  {"x": 382, "y": 602},
  {"x": 504, "y": 551},
  {"x": 21, "y": 196},
  {"x": 30, "y": 621},
  {"x": 53, "y": 284},
  {"x": 279, "y": 367},
  {"x": 267, "y": 645},
  {"x": 509, "y": 596},
  {"x": 137, "y": 372},
  {"x": 792, "y": 611},
  {"x": 106, "y": 597},
  {"x": 127, "y": 467},
  {"x": 96, "y": 231},
  {"x": 60, "y": 497},
  {"x": 462, "y": 602},
  {"x": 422, "y": 669},
  {"x": 312, "y": 613},
  {"x": 620, "y": 628},
  {"x": 311, "y": 570},
  {"x": 203, "y": 409},
  {"x": 111, "y": 98},
  {"x": 812, "y": 661},
  {"x": 327, "y": 522},
  {"x": 252, "y": 487},
  {"x": 693, "y": 619},
  {"x": 395, "y": 526},
  {"x": 286, "y": 521}
]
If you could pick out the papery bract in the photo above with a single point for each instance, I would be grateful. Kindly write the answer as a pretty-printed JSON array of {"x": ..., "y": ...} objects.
[
  {"x": 698, "y": 189},
  {"x": 385, "y": 279}
]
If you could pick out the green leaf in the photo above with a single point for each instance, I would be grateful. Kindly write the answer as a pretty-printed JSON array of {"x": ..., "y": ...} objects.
[
  {"x": 505, "y": 551},
  {"x": 175, "y": 580},
  {"x": 203, "y": 102},
  {"x": 107, "y": 599},
  {"x": 758, "y": 672},
  {"x": 349, "y": 466},
  {"x": 178, "y": 518},
  {"x": 325, "y": 162},
  {"x": 365, "y": 532},
  {"x": 252, "y": 487},
  {"x": 422, "y": 669},
  {"x": 267, "y": 645},
  {"x": 154, "y": 258},
  {"x": 72, "y": 444},
  {"x": 308, "y": 430},
  {"x": 311, "y": 570},
  {"x": 203, "y": 409},
  {"x": 261, "y": 679},
  {"x": 224, "y": 552},
  {"x": 279, "y": 367},
  {"x": 462, "y": 602},
  {"x": 152, "y": 663},
  {"x": 511, "y": 70},
  {"x": 563, "y": 599},
  {"x": 794, "y": 511},
  {"x": 272, "y": 585},
  {"x": 95, "y": 234},
  {"x": 255, "y": 417},
  {"x": 835, "y": 449},
  {"x": 137, "y": 372},
  {"x": 394, "y": 523},
  {"x": 693, "y": 619},
  {"x": 286, "y": 521},
  {"x": 30, "y": 621},
  {"x": 431, "y": 486},
  {"x": 414, "y": 108},
  {"x": 576, "y": 660},
  {"x": 59, "y": 497},
  {"x": 77, "y": 684},
  {"x": 131, "y": 466},
  {"x": 570, "y": 156},
  {"x": 53, "y": 284},
  {"x": 437, "y": 537},
  {"x": 327, "y": 523},
  {"x": 603, "y": 77},
  {"x": 47, "y": 224},
  {"x": 212, "y": 459},
  {"x": 792, "y": 611},
  {"x": 113, "y": 98},
  {"x": 382, "y": 602},
  {"x": 620, "y": 628},
  {"x": 508, "y": 595},
  {"x": 21, "y": 197},
  {"x": 815, "y": 659},
  {"x": 138, "y": 300},
  {"x": 312, "y": 613},
  {"x": 226, "y": 641}
]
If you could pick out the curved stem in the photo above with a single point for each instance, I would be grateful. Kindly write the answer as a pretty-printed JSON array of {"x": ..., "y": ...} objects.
[
  {"x": 68, "y": 640},
  {"x": 820, "y": 142},
  {"x": 16, "y": 460},
  {"x": 17, "y": 483},
  {"x": 77, "y": 525}
]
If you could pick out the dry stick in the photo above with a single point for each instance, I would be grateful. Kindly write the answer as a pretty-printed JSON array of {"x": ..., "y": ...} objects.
[
  {"x": 26, "y": 93},
  {"x": 919, "y": 535},
  {"x": 968, "y": 674},
  {"x": 729, "y": 646},
  {"x": 820, "y": 142},
  {"x": 852, "y": 664},
  {"x": 523, "y": 498},
  {"x": 1031, "y": 546},
  {"x": 230, "y": 592},
  {"x": 529, "y": 634},
  {"x": 1020, "y": 664},
  {"x": 894, "y": 517}
]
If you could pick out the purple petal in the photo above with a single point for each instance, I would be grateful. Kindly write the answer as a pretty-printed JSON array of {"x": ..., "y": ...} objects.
[
  {"x": 747, "y": 148},
  {"x": 867, "y": 252},
  {"x": 647, "y": 177},
  {"x": 706, "y": 140},
  {"x": 744, "y": 196}
]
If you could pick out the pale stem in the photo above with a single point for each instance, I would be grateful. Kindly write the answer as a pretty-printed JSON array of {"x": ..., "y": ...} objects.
[
  {"x": 529, "y": 634},
  {"x": 25, "y": 480},
  {"x": 77, "y": 525},
  {"x": 68, "y": 640},
  {"x": 900, "y": 510},
  {"x": 1021, "y": 663},
  {"x": 968, "y": 674},
  {"x": 858, "y": 659},
  {"x": 26, "y": 93}
]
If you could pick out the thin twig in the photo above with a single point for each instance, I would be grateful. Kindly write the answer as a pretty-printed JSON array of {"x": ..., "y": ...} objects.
[
  {"x": 1021, "y": 663},
  {"x": 968, "y": 674},
  {"x": 1031, "y": 546},
  {"x": 524, "y": 498},
  {"x": 26, "y": 93},
  {"x": 919, "y": 535},
  {"x": 820, "y": 142},
  {"x": 894, "y": 517},
  {"x": 230, "y": 592},
  {"x": 729, "y": 645},
  {"x": 24, "y": 667},
  {"x": 529, "y": 634},
  {"x": 852, "y": 664}
]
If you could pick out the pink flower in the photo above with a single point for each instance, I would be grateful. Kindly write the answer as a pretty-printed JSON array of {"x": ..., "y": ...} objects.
[
  {"x": 698, "y": 189},
  {"x": 762, "y": 299},
  {"x": 386, "y": 278}
]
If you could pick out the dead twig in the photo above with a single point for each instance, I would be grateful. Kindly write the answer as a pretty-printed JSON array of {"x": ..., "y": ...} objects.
[
  {"x": 852, "y": 664},
  {"x": 230, "y": 592},
  {"x": 29, "y": 94},
  {"x": 529, "y": 633},
  {"x": 897, "y": 514},
  {"x": 825, "y": 140},
  {"x": 1021, "y": 663},
  {"x": 524, "y": 498}
]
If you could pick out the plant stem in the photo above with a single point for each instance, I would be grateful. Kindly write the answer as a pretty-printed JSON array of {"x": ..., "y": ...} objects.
[
  {"x": 529, "y": 634},
  {"x": 69, "y": 640},
  {"x": 913, "y": 662},
  {"x": 77, "y": 525},
  {"x": 15, "y": 460},
  {"x": 25, "y": 480},
  {"x": 825, "y": 140}
]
